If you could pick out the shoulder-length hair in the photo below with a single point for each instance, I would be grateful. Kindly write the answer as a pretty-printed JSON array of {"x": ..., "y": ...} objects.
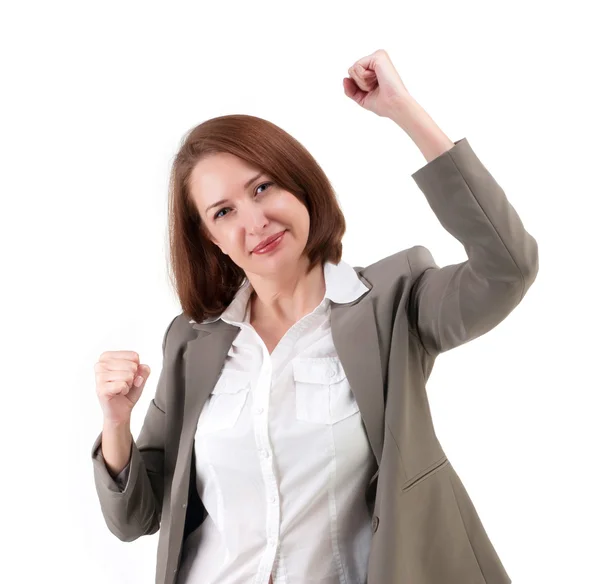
[{"x": 205, "y": 279}]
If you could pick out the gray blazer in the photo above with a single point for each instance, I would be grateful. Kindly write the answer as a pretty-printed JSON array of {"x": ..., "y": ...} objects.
[{"x": 426, "y": 529}]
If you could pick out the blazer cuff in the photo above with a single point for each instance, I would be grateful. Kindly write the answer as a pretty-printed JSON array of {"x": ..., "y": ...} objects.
[
  {"x": 119, "y": 484},
  {"x": 435, "y": 166}
]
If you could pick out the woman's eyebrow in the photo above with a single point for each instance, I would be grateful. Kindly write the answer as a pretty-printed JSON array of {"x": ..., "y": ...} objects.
[{"x": 246, "y": 185}]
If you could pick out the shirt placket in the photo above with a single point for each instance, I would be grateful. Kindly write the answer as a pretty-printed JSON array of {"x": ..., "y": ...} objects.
[{"x": 260, "y": 413}]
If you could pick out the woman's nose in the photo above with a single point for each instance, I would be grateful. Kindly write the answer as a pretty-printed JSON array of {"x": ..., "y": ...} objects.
[{"x": 255, "y": 221}]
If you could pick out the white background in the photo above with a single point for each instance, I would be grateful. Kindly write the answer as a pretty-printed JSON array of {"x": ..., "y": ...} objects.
[{"x": 96, "y": 98}]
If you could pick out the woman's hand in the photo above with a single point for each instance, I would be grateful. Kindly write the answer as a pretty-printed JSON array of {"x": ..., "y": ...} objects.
[
  {"x": 375, "y": 85},
  {"x": 120, "y": 380}
]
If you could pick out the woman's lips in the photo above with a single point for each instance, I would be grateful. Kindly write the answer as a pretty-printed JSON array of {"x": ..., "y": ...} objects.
[{"x": 270, "y": 246}]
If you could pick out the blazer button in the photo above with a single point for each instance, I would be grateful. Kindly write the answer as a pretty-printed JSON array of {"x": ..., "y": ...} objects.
[{"x": 375, "y": 523}]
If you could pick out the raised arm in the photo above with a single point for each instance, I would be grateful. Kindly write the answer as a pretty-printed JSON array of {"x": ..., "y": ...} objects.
[{"x": 454, "y": 304}]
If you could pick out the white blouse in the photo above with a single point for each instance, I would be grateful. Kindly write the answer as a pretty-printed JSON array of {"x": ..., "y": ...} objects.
[{"x": 282, "y": 457}]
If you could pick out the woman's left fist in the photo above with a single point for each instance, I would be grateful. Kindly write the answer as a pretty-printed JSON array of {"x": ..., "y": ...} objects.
[{"x": 375, "y": 84}]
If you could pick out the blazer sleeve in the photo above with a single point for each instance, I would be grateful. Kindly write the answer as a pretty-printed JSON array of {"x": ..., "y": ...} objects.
[
  {"x": 134, "y": 509},
  {"x": 451, "y": 305}
]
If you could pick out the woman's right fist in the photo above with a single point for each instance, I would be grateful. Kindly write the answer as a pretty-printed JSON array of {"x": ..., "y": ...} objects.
[{"x": 120, "y": 380}]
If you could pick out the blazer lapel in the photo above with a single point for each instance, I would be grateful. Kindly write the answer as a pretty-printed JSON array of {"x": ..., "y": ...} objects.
[
  {"x": 356, "y": 340},
  {"x": 204, "y": 359}
]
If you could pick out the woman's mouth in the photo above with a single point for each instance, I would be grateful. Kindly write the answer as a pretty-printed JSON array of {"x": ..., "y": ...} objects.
[{"x": 270, "y": 246}]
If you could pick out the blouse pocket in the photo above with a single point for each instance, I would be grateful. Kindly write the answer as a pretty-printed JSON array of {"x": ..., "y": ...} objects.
[
  {"x": 225, "y": 403},
  {"x": 323, "y": 392}
]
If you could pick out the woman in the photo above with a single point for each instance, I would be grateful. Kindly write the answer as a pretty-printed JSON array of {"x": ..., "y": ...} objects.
[{"x": 290, "y": 439}]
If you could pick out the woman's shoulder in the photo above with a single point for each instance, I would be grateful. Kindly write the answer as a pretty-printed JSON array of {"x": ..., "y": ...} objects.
[
  {"x": 179, "y": 330},
  {"x": 395, "y": 269}
]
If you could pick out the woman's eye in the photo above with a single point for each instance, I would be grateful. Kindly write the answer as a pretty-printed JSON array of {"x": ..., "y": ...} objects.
[
  {"x": 217, "y": 216},
  {"x": 267, "y": 184}
]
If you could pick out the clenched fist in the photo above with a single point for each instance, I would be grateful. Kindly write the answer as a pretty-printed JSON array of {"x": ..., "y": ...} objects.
[{"x": 120, "y": 380}]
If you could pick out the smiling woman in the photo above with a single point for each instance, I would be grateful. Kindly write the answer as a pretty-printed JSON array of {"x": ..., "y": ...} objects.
[
  {"x": 291, "y": 435},
  {"x": 237, "y": 181}
]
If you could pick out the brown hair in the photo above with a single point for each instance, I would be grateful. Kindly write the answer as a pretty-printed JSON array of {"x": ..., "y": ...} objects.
[{"x": 205, "y": 279}]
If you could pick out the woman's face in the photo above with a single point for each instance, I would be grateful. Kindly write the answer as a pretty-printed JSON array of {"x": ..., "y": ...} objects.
[{"x": 241, "y": 207}]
